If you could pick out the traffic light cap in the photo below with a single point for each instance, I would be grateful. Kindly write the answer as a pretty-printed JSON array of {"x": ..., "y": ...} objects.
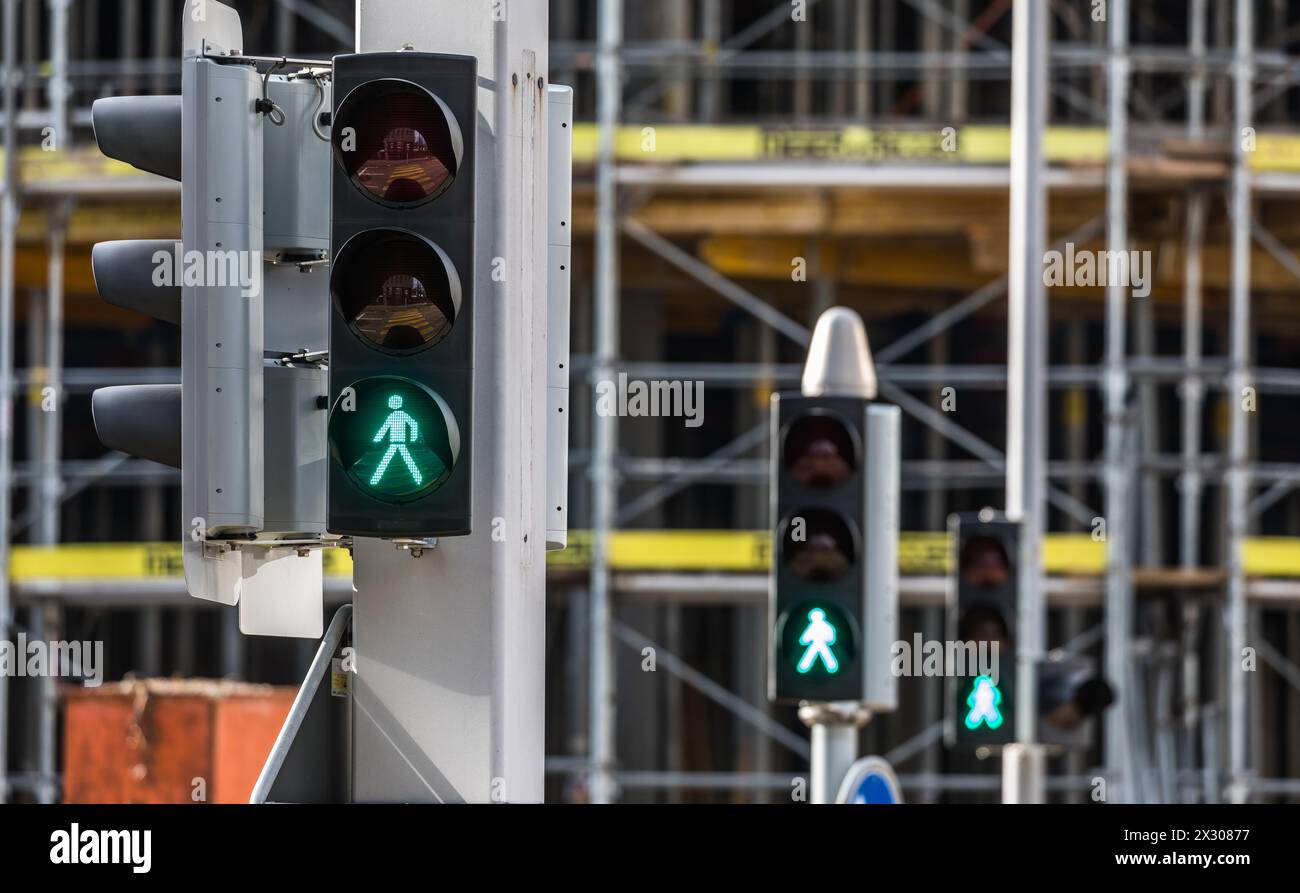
[{"x": 839, "y": 361}]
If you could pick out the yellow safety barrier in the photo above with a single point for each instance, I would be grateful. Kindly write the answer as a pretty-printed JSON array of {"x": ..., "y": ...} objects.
[
  {"x": 745, "y": 551},
  {"x": 661, "y": 144}
]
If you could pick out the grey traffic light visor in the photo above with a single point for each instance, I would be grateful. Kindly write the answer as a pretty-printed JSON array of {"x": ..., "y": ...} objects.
[
  {"x": 124, "y": 276},
  {"x": 143, "y": 420},
  {"x": 143, "y": 131}
]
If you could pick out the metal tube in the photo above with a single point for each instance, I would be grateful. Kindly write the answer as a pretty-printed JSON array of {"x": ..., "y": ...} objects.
[
  {"x": 1238, "y": 481},
  {"x": 1119, "y": 594},
  {"x": 8, "y": 233},
  {"x": 320, "y": 666},
  {"x": 605, "y": 432},
  {"x": 1026, "y": 495},
  {"x": 1191, "y": 483}
]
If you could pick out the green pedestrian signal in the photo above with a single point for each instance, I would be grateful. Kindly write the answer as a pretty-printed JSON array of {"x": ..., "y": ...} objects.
[
  {"x": 395, "y": 428},
  {"x": 818, "y": 637},
  {"x": 396, "y": 439},
  {"x": 985, "y": 703}
]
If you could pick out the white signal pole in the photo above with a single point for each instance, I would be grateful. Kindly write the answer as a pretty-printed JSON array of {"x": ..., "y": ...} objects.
[
  {"x": 450, "y": 693},
  {"x": 1027, "y": 376}
]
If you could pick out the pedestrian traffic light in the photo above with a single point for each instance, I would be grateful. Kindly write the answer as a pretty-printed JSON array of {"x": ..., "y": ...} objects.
[
  {"x": 1070, "y": 694},
  {"x": 402, "y": 281},
  {"x": 833, "y": 597},
  {"x": 981, "y": 626}
]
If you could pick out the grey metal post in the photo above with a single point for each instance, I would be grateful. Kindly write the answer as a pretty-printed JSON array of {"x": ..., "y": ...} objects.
[
  {"x": 1027, "y": 345},
  {"x": 8, "y": 234},
  {"x": 1238, "y": 477},
  {"x": 449, "y": 689},
  {"x": 834, "y": 739},
  {"x": 605, "y": 433},
  {"x": 1190, "y": 481},
  {"x": 1119, "y": 594}
]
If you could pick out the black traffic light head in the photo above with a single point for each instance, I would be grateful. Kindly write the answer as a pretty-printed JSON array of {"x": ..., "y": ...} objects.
[
  {"x": 982, "y": 629},
  {"x": 818, "y": 579},
  {"x": 1070, "y": 694},
  {"x": 402, "y": 294}
]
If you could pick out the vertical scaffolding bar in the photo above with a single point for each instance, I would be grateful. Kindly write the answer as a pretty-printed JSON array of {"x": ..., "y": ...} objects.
[
  {"x": 1192, "y": 392},
  {"x": 1238, "y": 480},
  {"x": 605, "y": 434},
  {"x": 1119, "y": 578},
  {"x": 1027, "y": 340},
  {"x": 8, "y": 234}
]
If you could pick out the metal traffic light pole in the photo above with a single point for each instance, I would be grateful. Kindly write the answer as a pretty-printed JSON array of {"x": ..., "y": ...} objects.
[
  {"x": 449, "y": 688},
  {"x": 1022, "y": 770}
]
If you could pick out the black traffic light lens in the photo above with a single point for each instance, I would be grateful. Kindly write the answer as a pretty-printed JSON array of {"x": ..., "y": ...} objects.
[
  {"x": 397, "y": 141},
  {"x": 397, "y": 291},
  {"x": 818, "y": 544},
  {"x": 820, "y": 452},
  {"x": 984, "y": 563},
  {"x": 396, "y": 439}
]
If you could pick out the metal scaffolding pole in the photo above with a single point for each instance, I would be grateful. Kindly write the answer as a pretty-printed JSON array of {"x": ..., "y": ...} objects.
[
  {"x": 8, "y": 235},
  {"x": 605, "y": 432},
  {"x": 1027, "y": 354},
  {"x": 1238, "y": 479},
  {"x": 1119, "y": 581},
  {"x": 1191, "y": 483}
]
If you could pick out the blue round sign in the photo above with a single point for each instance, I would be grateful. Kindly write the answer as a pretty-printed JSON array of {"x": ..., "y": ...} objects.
[{"x": 870, "y": 780}]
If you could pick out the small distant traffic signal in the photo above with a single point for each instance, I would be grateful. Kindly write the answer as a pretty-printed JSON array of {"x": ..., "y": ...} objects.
[
  {"x": 1070, "y": 694},
  {"x": 981, "y": 614},
  {"x": 401, "y": 340}
]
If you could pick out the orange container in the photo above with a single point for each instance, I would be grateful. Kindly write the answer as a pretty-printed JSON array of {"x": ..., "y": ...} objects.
[{"x": 169, "y": 740}]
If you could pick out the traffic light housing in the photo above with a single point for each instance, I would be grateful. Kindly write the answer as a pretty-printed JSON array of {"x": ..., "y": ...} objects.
[
  {"x": 402, "y": 283},
  {"x": 981, "y": 612},
  {"x": 1071, "y": 693},
  {"x": 818, "y": 601},
  {"x": 246, "y": 424}
]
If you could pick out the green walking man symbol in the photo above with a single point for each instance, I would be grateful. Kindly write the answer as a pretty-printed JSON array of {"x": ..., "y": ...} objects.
[
  {"x": 818, "y": 635},
  {"x": 395, "y": 426}
]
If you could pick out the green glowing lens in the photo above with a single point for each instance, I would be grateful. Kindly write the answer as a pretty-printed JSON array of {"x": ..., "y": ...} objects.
[
  {"x": 985, "y": 703},
  {"x": 396, "y": 439}
]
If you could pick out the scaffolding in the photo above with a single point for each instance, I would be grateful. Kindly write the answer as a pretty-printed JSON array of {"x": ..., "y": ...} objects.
[{"x": 1188, "y": 722}]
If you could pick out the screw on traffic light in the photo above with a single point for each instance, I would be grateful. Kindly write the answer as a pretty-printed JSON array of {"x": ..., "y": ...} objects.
[
  {"x": 1070, "y": 694},
  {"x": 401, "y": 340},
  {"x": 982, "y": 614}
]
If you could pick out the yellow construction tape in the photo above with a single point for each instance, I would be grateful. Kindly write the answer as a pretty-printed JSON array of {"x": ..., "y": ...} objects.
[
  {"x": 666, "y": 143},
  {"x": 629, "y": 550},
  {"x": 964, "y": 145}
]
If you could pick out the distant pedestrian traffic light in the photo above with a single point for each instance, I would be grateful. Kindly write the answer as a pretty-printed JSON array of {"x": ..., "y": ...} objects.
[{"x": 982, "y": 615}]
